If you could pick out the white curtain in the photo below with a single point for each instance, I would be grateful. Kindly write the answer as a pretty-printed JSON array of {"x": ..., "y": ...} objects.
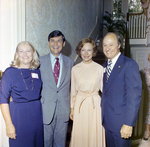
[
  {"x": 12, "y": 31},
  {"x": 3, "y": 137}
]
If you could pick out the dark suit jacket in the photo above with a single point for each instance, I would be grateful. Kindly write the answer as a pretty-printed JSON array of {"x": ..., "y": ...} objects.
[
  {"x": 121, "y": 95},
  {"x": 51, "y": 95}
]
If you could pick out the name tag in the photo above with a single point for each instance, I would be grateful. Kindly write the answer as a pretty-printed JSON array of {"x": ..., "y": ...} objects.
[{"x": 34, "y": 75}]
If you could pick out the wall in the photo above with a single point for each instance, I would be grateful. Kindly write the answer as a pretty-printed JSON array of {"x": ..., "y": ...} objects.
[
  {"x": 75, "y": 18},
  {"x": 108, "y": 5},
  {"x": 124, "y": 6}
]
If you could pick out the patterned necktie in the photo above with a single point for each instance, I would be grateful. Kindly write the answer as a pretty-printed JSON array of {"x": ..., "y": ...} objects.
[
  {"x": 56, "y": 70},
  {"x": 108, "y": 70}
]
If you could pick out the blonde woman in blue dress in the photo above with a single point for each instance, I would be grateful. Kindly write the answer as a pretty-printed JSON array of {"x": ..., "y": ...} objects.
[{"x": 22, "y": 112}]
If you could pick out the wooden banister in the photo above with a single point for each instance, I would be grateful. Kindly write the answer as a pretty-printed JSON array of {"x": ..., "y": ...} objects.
[
  {"x": 130, "y": 14},
  {"x": 127, "y": 45}
]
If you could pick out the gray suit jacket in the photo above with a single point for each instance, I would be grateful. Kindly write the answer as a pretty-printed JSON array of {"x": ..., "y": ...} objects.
[{"x": 51, "y": 95}]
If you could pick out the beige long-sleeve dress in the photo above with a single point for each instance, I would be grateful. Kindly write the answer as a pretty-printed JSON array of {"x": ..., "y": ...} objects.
[{"x": 86, "y": 81}]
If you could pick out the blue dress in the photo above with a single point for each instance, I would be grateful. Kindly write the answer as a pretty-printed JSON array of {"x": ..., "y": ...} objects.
[{"x": 24, "y": 85}]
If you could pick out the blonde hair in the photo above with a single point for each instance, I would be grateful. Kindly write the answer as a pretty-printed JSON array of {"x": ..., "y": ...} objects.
[{"x": 35, "y": 60}]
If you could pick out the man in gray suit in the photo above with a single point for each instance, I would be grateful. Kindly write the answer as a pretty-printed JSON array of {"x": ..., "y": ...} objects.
[{"x": 55, "y": 73}]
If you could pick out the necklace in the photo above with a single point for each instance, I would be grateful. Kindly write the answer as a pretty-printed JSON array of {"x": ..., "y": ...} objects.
[{"x": 25, "y": 81}]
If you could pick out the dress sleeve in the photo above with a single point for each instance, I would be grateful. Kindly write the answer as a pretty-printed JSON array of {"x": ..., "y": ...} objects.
[
  {"x": 73, "y": 89},
  {"x": 5, "y": 87},
  {"x": 101, "y": 78}
]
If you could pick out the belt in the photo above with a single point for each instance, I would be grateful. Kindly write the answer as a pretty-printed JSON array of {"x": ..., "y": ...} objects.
[{"x": 86, "y": 95}]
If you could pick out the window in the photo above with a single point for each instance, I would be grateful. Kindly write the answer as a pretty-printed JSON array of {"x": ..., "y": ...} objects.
[
  {"x": 116, "y": 8},
  {"x": 135, "y": 6}
]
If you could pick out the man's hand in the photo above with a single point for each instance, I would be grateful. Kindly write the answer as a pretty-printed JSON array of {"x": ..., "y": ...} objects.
[
  {"x": 71, "y": 113},
  {"x": 126, "y": 131}
]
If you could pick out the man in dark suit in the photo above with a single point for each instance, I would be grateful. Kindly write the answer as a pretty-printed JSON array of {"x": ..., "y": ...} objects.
[
  {"x": 55, "y": 73},
  {"x": 121, "y": 95}
]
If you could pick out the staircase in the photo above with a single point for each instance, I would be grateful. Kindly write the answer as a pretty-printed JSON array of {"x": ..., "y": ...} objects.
[{"x": 100, "y": 58}]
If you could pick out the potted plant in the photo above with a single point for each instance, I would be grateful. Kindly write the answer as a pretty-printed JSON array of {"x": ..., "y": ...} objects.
[{"x": 114, "y": 23}]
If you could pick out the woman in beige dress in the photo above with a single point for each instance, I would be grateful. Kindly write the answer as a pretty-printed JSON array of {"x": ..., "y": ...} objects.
[{"x": 86, "y": 81}]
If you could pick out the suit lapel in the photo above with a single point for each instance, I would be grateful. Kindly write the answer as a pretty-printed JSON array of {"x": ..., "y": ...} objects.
[
  {"x": 116, "y": 70},
  {"x": 64, "y": 70},
  {"x": 50, "y": 72}
]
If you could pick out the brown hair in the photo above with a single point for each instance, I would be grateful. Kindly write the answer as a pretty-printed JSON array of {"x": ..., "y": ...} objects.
[
  {"x": 83, "y": 42},
  {"x": 35, "y": 60}
]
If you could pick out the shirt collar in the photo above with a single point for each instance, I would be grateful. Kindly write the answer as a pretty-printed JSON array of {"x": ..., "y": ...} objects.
[
  {"x": 114, "y": 60},
  {"x": 52, "y": 57}
]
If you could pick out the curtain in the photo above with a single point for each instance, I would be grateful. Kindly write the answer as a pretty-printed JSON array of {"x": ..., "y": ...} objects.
[{"x": 12, "y": 31}]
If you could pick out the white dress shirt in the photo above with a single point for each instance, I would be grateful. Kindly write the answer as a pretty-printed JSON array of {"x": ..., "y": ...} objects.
[{"x": 114, "y": 60}]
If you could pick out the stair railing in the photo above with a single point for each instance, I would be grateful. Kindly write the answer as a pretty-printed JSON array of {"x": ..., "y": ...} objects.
[
  {"x": 137, "y": 25},
  {"x": 135, "y": 29}
]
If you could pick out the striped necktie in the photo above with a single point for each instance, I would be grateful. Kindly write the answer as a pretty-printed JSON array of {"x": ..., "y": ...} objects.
[{"x": 108, "y": 70}]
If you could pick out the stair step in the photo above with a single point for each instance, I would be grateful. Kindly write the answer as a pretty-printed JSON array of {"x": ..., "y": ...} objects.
[{"x": 99, "y": 58}]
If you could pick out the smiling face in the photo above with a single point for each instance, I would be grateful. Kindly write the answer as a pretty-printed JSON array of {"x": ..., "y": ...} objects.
[
  {"x": 56, "y": 44},
  {"x": 111, "y": 48},
  {"x": 25, "y": 55},
  {"x": 87, "y": 53}
]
